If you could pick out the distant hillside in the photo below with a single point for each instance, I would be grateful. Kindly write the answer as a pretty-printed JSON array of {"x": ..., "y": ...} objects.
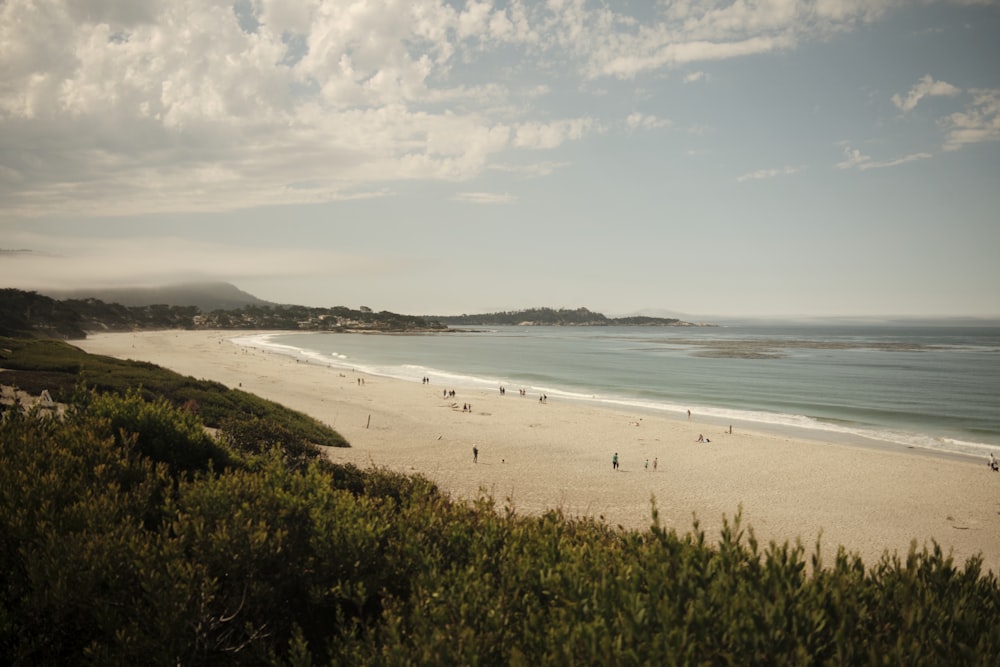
[
  {"x": 205, "y": 296},
  {"x": 553, "y": 317},
  {"x": 33, "y": 315}
]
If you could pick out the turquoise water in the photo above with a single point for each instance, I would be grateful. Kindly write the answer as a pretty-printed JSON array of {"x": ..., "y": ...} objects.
[{"x": 930, "y": 387}]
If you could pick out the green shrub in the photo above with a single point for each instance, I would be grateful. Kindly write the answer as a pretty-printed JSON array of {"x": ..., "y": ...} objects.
[
  {"x": 157, "y": 429},
  {"x": 254, "y": 436},
  {"x": 109, "y": 558},
  {"x": 34, "y": 365}
]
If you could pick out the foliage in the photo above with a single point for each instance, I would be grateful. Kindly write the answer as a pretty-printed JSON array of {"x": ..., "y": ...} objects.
[
  {"x": 34, "y": 365},
  {"x": 560, "y": 317},
  {"x": 33, "y": 315},
  {"x": 28, "y": 314},
  {"x": 155, "y": 430},
  {"x": 255, "y": 436},
  {"x": 111, "y": 557},
  {"x": 290, "y": 317}
]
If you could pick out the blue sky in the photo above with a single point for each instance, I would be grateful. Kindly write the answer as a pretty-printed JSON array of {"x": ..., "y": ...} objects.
[{"x": 773, "y": 158}]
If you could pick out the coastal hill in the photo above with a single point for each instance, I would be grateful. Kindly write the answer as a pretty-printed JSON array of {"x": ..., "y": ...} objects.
[
  {"x": 206, "y": 296},
  {"x": 29, "y": 314},
  {"x": 223, "y": 306},
  {"x": 580, "y": 317}
]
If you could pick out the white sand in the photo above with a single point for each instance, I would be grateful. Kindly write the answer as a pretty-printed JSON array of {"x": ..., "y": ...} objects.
[{"x": 537, "y": 456}]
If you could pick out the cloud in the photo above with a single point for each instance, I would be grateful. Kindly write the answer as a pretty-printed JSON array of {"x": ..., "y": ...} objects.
[
  {"x": 637, "y": 120},
  {"x": 121, "y": 108},
  {"x": 200, "y": 106},
  {"x": 692, "y": 77},
  {"x": 536, "y": 135},
  {"x": 980, "y": 122},
  {"x": 855, "y": 159},
  {"x": 680, "y": 33},
  {"x": 925, "y": 87},
  {"x": 761, "y": 174},
  {"x": 484, "y": 197},
  {"x": 531, "y": 170}
]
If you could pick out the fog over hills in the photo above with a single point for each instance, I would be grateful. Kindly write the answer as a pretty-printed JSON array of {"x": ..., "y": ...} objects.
[{"x": 206, "y": 296}]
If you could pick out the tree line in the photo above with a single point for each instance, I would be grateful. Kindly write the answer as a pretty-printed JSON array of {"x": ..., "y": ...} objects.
[
  {"x": 554, "y": 317},
  {"x": 26, "y": 313}
]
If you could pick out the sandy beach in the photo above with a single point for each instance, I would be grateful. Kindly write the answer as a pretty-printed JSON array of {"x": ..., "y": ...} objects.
[{"x": 536, "y": 456}]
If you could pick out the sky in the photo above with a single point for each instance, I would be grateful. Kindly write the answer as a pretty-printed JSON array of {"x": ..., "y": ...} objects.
[{"x": 761, "y": 158}]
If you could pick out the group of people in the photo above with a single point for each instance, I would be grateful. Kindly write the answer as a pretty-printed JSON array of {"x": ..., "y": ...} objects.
[
  {"x": 521, "y": 392},
  {"x": 615, "y": 463}
]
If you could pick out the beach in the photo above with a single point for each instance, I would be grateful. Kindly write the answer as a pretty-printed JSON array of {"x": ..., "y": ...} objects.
[{"x": 536, "y": 455}]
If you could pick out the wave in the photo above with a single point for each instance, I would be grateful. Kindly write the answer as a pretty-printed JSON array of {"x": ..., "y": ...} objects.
[{"x": 823, "y": 428}]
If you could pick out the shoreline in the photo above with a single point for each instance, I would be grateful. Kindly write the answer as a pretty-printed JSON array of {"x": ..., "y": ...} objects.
[
  {"x": 783, "y": 425},
  {"x": 557, "y": 455}
]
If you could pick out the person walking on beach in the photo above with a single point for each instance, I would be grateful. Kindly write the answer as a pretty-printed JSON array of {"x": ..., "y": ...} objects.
[
  {"x": 656, "y": 461},
  {"x": 646, "y": 465},
  {"x": 614, "y": 461},
  {"x": 475, "y": 454}
]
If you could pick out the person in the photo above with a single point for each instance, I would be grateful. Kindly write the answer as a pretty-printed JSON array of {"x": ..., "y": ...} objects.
[
  {"x": 475, "y": 454},
  {"x": 656, "y": 461},
  {"x": 701, "y": 438},
  {"x": 646, "y": 465},
  {"x": 994, "y": 464},
  {"x": 614, "y": 461}
]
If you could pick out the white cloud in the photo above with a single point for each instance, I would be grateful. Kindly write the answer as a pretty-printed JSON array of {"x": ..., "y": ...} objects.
[
  {"x": 692, "y": 77},
  {"x": 980, "y": 121},
  {"x": 484, "y": 197},
  {"x": 855, "y": 159},
  {"x": 189, "y": 105},
  {"x": 530, "y": 170},
  {"x": 761, "y": 174},
  {"x": 686, "y": 32},
  {"x": 925, "y": 87},
  {"x": 638, "y": 120},
  {"x": 113, "y": 107},
  {"x": 539, "y": 135}
]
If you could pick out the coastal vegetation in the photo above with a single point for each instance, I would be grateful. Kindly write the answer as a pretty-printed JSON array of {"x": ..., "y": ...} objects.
[
  {"x": 34, "y": 366},
  {"x": 131, "y": 535},
  {"x": 556, "y": 317},
  {"x": 25, "y": 313},
  {"x": 30, "y": 314}
]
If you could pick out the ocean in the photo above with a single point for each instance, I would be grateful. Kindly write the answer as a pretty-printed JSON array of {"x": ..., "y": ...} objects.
[{"x": 928, "y": 387}]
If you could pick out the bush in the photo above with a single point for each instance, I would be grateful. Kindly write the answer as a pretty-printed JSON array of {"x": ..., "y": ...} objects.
[
  {"x": 157, "y": 429},
  {"x": 254, "y": 436},
  {"x": 110, "y": 559}
]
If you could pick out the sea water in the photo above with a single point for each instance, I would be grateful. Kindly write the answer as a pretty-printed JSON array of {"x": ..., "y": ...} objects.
[{"x": 930, "y": 387}]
